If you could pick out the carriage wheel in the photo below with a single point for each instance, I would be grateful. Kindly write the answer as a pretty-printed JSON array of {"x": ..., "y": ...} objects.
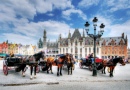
[
  {"x": 37, "y": 69},
  {"x": 5, "y": 69},
  {"x": 80, "y": 65}
]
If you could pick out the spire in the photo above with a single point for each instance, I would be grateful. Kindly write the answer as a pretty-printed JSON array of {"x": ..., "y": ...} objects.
[
  {"x": 44, "y": 34},
  {"x": 69, "y": 35},
  {"x": 126, "y": 37},
  {"x": 44, "y": 38},
  {"x": 126, "y": 40},
  {"x": 122, "y": 35},
  {"x": 83, "y": 33},
  {"x": 59, "y": 37}
]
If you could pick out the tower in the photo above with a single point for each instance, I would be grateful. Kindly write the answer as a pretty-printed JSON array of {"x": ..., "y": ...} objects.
[{"x": 44, "y": 39}]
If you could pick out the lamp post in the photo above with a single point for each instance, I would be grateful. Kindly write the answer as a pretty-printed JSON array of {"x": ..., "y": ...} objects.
[{"x": 95, "y": 36}]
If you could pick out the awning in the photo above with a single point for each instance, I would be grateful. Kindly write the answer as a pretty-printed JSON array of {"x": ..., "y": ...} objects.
[{"x": 2, "y": 54}]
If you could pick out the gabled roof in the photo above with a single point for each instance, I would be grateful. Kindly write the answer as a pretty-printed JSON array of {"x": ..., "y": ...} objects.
[
  {"x": 115, "y": 39},
  {"x": 76, "y": 34}
]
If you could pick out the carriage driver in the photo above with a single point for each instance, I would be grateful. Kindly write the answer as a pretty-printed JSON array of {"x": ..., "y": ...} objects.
[
  {"x": 91, "y": 57},
  {"x": 11, "y": 54}
]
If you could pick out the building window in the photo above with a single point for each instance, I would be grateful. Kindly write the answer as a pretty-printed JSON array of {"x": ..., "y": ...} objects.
[
  {"x": 75, "y": 42},
  {"x": 97, "y": 50},
  {"x": 71, "y": 50},
  {"x": 80, "y": 43},
  {"x": 85, "y": 50},
  {"x": 80, "y": 50},
  {"x": 76, "y": 50},
  {"x": 89, "y": 50},
  {"x": 66, "y": 50}
]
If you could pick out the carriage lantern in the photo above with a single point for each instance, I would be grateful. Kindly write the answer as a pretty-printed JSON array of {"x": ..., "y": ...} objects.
[{"x": 95, "y": 37}]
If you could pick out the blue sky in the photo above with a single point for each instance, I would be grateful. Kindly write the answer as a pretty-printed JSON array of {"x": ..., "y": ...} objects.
[{"x": 23, "y": 21}]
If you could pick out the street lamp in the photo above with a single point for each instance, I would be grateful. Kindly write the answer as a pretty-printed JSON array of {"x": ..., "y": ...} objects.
[{"x": 95, "y": 36}]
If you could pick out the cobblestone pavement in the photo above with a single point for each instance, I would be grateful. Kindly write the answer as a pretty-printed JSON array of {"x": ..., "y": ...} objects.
[{"x": 81, "y": 79}]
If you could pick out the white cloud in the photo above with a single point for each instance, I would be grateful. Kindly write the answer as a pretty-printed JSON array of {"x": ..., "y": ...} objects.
[
  {"x": 29, "y": 33},
  {"x": 115, "y": 5},
  {"x": 88, "y": 3},
  {"x": 43, "y": 6},
  {"x": 29, "y": 8},
  {"x": 24, "y": 31},
  {"x": 50, "y": 14},
  {"x": 67, "y": 13},
  {"x": 62, "y": 4},
  {"x": 22, "y": 8}
]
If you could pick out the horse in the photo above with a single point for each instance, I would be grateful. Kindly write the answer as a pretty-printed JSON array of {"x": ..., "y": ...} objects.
[
  {"x": 59, "y": 63},
  {"x": 46, "y": 64},
  {"x": 69, "y": 61},
  {"x": 112, "y": 65},
  {"x": 32, "y": 61}
]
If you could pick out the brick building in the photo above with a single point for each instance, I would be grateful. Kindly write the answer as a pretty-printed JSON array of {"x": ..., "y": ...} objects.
[
  {"x": 4, "y": 47},
  {"x": 114, "y": 46}
]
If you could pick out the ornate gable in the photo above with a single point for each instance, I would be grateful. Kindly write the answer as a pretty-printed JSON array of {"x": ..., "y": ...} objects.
[{"x": 76, "y": 34}]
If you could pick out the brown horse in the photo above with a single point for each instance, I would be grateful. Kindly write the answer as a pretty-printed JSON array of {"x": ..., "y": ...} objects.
[
  {"x": 59, "y": 63},
  {"x": 112, "y": 65},
  {"x": 49, "y": 63},
  {"x": 69, "y": 61}
]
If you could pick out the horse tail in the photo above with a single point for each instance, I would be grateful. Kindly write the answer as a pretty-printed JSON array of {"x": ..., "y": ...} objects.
[{"x": 108, "y": 69}]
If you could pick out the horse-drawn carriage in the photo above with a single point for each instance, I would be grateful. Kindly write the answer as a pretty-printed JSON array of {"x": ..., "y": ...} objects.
[
  {"x": 15, "y": 61},
  {"x": 43, "y": 64},
  {"x": 88, "y": 63}
]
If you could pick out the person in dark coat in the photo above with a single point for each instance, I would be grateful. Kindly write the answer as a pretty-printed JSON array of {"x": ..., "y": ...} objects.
[{"x": 91, "y": 57}]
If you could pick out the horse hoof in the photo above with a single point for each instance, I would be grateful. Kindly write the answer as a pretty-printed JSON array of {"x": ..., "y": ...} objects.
[
  {"x": 23, "y": 74},
  {"x": 35, "y": 77},
  {"x": 51, "y": 72},
  {"x": 61, "y": 74},
  {"x": 31, "y": 78},
  {"x": 57, "y": 74}
]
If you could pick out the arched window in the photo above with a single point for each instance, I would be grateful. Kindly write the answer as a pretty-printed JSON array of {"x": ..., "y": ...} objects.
[
  {"x": 76, "y": 42},
  {"x": 76, "y": 50}
]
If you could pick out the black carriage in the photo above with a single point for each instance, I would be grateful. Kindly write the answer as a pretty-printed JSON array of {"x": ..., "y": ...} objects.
[
  {"x": 42, "y": 66},
  {"x": 9, "y": 62},
  {"x": 88, "y": 63}
]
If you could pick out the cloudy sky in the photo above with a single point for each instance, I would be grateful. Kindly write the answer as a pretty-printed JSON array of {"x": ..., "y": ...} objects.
[{"x": 23, "y": 21}]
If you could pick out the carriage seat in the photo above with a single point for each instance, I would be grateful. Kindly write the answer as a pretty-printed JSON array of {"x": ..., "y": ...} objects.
[{"x": 11, "y": 61}]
